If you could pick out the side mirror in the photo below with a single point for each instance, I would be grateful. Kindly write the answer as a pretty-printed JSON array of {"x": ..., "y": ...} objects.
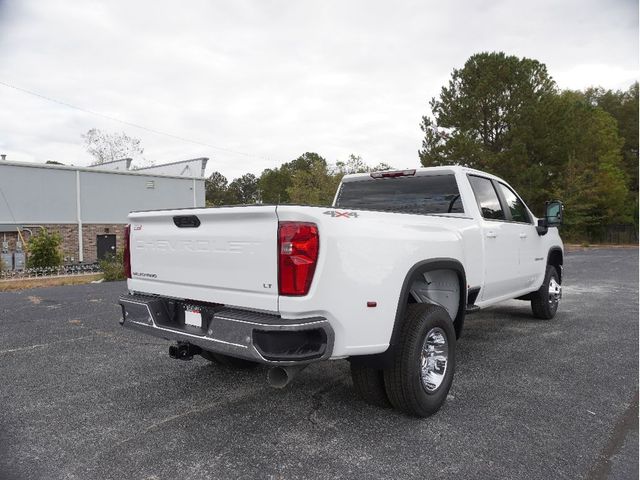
[
  {"x": 552, "y": 217},
  {"x": 542, "y": 227},
  {"x": 554, "y": 213}
]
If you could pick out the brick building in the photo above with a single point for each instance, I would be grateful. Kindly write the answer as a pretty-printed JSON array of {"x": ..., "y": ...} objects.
[{"x": 88, "y": 206}]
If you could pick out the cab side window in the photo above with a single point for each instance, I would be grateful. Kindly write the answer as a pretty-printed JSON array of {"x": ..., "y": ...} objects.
[
  {"x": 518, "y": 210},
  {"x": 487, "y": 198}
]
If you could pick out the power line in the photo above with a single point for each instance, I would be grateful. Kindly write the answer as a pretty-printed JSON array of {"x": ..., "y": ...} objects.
[{"x": 131, "y": 124}]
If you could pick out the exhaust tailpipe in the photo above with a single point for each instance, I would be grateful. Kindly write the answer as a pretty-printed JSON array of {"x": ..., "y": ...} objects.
[{"x": 280, "y": 377}]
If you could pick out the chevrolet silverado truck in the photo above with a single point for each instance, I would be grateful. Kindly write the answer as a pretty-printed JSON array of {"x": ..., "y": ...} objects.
[{"x": 383, "y": 278}]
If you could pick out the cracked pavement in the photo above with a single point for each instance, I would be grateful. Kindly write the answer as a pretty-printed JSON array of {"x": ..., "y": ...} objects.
[{"x": 82, "y": 398}]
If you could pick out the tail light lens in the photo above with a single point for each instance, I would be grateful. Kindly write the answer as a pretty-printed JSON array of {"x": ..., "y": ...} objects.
[
  {"x": 126, "y": 257},
  {"x": 298, "y": 247}
]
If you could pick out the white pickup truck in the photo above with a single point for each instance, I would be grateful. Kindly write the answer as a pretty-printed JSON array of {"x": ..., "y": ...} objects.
[{"x": 382, "y": 278}]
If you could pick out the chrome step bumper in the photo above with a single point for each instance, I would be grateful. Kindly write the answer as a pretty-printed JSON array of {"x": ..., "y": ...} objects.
[{"x": 260, "y": 337}]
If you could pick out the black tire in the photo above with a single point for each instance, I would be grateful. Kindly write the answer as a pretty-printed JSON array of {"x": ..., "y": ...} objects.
[
  {"x": 369, "y": 385},
  {"x": 403, "y": 381},
  {"x": 227, "y": 361},
  {"x": 543, "y": 304}
]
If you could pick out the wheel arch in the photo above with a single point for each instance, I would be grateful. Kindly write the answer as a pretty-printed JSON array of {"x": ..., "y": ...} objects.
[
  {"x": 556, "y": 258},
  {"x": 417, "y": 271}
]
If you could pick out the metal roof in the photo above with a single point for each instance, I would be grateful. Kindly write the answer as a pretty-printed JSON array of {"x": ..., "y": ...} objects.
[{"x": 140, "y": 172}]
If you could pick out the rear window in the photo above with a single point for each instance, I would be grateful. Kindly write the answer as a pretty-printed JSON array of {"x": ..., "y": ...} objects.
[{"x": 425, "y": 194}]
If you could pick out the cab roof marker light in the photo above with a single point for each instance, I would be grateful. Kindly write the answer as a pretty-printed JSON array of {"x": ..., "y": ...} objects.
[{"x": 398, "y": 173}]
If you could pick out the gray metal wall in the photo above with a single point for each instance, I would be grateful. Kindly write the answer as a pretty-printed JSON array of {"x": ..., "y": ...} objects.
[{"x": 38, "y": 195}]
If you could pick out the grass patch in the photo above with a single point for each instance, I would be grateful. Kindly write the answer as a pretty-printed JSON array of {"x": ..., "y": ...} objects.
[
  {"x": 576, "y": 247},
  {"x": 26, "y": 283}
]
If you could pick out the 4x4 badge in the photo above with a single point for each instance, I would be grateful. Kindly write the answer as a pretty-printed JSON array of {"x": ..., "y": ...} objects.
[{"x": 338, "y": 213}]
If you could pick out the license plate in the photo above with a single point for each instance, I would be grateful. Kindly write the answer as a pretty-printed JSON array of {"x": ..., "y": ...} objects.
[{"x": 193, "y": 318}]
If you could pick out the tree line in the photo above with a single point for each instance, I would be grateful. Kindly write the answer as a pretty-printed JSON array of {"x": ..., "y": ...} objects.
[
  {"x": 498, "y": 113},
  {"x": 504, "y": 115},
  {"x": 307, "y": 180}
]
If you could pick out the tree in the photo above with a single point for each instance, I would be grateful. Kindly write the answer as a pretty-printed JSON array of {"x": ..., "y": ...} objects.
[
  {"x": 274, "y": 183},
  {"x": 243, "y": 190},
  {"x": 354, "y": 164},
  {"x": 107, "y": 147},
  {"x": 381, "y": 167},
  {"x": 623, "y": 106},
  {"x": 316, "y": 186},
  {"x": 591, "y": 181},
  {"x": 305, "y": 162},
  {"x": 216, "y": 189},
  {"x": 309, "y": 179},
  {"x": 504, "y": 115},
  {"x": 481, "y": 112}
]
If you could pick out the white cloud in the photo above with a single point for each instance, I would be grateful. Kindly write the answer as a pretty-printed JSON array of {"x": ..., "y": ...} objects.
[{"x": 275, "y": 78}]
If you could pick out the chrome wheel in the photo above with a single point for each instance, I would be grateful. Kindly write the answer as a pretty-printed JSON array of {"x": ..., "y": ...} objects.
[
  {"x": 555, "y": 292},
  {"x": 434, "y": 359}
]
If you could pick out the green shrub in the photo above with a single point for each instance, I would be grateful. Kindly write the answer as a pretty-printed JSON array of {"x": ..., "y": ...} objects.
[
  {"x": 112, "y": 267},
  {"x": 44, "y": 250}
]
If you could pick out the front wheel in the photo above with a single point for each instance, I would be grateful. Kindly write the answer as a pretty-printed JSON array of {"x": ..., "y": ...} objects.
[
  {"x": 424, "y": 361},
  {"x": 544, "y": 302}
]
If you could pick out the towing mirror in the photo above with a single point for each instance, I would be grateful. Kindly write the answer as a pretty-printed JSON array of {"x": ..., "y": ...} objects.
[
  {"x": 554, "y": 213},
  {"x": 552, "y": 217}
]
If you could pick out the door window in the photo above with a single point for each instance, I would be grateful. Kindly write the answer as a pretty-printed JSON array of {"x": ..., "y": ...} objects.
[
  {"x": 516, "y": 207},
  {"x": 487, "y": 198}
]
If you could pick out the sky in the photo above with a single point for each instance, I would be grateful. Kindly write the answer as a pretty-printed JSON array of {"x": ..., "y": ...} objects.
[{"x": 252, "y": 84}]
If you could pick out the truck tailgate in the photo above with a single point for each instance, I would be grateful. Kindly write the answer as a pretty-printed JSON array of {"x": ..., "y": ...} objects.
[{"x": 229, "y": 258}]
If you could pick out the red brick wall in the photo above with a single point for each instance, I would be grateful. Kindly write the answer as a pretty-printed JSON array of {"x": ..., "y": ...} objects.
[{"x": 69, "y": 234}]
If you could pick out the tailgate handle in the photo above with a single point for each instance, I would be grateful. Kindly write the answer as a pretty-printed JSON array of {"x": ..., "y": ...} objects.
[{"x": 186, "y": 221}]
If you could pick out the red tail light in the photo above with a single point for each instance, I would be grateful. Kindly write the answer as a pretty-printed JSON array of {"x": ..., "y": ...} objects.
[
  {"x": 298, "y": 246},
  {"x": 126, "y": 257}
]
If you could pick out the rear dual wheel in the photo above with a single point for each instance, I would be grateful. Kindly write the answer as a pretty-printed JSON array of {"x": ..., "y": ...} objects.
[
  {"x": 421, "y": 373},
  {"x": 369, "y": 385}
]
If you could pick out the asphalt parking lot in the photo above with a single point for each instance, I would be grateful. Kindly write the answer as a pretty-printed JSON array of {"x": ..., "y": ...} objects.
[{"x": 81, "y": 398}]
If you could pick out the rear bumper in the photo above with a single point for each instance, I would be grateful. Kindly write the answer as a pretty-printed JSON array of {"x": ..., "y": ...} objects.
[{"x": 260, "y": 337}]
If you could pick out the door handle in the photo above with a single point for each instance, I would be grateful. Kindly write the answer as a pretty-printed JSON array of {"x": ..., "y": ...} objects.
[
  {"x": 491, "y": 235},
  {"x": 523, "y": 235}
]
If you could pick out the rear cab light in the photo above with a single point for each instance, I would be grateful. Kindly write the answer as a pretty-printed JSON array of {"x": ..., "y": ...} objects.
[
  {"x": 298, "y": 249},
  {"x": 394, "y": 174},
  {"x": 126, "y": 257}
]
